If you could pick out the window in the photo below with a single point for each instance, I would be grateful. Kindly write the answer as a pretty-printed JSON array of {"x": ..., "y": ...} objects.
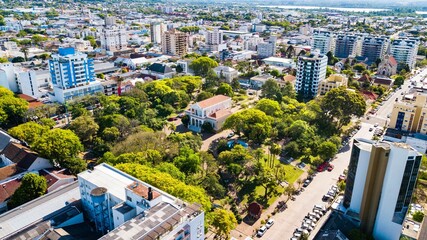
[{"x": 129, "y": 198}]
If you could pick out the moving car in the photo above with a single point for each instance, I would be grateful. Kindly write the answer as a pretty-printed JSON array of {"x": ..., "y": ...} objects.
[
  {"x": 261, "y": 231},
  {"x": 269, "y": 223}
]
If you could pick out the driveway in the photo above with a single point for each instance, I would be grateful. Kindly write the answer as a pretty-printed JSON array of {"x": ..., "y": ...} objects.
[{"x": 291, "y": 218}]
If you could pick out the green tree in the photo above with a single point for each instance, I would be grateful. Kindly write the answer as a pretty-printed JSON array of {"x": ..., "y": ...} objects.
[
  {"x": 58, "y": 145},
  {"x": 359, "y": 67},
  {"x": 225, "y": 89},
  {"x": 269, "y": 107},
  {"x": 418, "y": 216},
  {"x": 85, "y": 128},
  {"x": 32, "y": 187},
  {"x": 187, "y": 161},
  {"x": 74, "y": 165},
  {"x": 399, "y": 80},
  {"x": 4, "y": 60},
  {"x": 18, "y": 59},
  {"x": 28, "y": 132},
  {"x": 270, "y": 89},
  {"x": 204, "y": 95},
  {"x": 12, "y": 109},
  {"x": 171, "y": 169},
  {"x": 37, "y": 39},
  {"x": 110, "y": 134},
  {"x": 341, "y": 105},
  {"x": 223, "y": 221},
  {"x": 202, "y": 65},
  {"x": 327, "y": 150}
]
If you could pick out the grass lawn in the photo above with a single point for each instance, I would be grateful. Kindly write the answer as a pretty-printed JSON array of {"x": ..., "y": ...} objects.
[{"x": 292, "y": 173}]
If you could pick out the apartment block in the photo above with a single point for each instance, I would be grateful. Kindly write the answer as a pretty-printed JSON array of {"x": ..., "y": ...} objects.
[
  {"x": 405, "y": 50},
  {"x": 410, "y": 115},
  {"x": 347, "y": 45},
  {"x": 157, "y": 29},
  {"x": 311, "y": 70},
  {"x": 374, "y": 48},
  {"x": 324, "y": 41},
  {"x": 174, "y": 42},
  {"x": 380, "y": 183},
  {"x": 333, "y": 81},
  {"x": 214, "y": 37},
  {"x": 72, "y": 75},
  {"x": 122, "y": 207},
  {"x": 267, "y": 49},
  {"x": 113, "y": 38}
]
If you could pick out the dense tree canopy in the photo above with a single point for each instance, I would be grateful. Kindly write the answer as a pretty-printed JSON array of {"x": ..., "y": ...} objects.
[
  {"x": 202, "y": 65},
  {"x": 85, "y": 128},
  {"x": 32, "y": 187},
  {"x": 12, "y": 109},
  {"x": 28, "y": 132},
  {"x": 223, "y": 221}
]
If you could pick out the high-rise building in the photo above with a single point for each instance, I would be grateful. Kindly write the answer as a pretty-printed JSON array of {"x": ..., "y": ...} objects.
[
  {"x": 405, "y": 50},
  {"x": 347, "y": 45},
  {"x": 113, "y": 38},
  {"x": 123, "y": 207},
  {"x": 311, "y": 70},
  {"x": 214, "y": 37},
  {"x": 410, "y": 116},
  {"x": 174, "y": 42},
  {"x": 324, "y": 41},
  {"x": 110, "y": 21},
  {"x": 267, "y": 49},
  {"x": 72, "y": 75},
  {"x": 156, "y": 30},
  {"x": 374, "y": 48},
  {"x": 8, "y": 77},
  {"x": 379, "y": 187}
]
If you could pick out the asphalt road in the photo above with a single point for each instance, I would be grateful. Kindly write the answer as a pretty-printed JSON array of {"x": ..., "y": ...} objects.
[{"x": 291, "y": 218}]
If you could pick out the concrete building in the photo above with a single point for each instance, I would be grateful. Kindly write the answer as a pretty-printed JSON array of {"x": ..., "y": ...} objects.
[
  {"x": 72, "y": 75},
  {"x": 214, "y": 37},
  {"x": 226, "y": 73},
  {"x": 8, "y": 77},
  {"x": 252, "y": 42},
  {"x": 267, "y": 49},
  {"x": 112, "y": 198},
  {"x": 113, "y": 38},
  {"x": 214, "y": 110},
  {"x": 333, "y": 81},
  {"x": 374, "y": 48},
  {"x": 380, "y": 183},
  {"x": 174, "y": 42},
  {"x": 405, "y": 50},
  {"x": 156, "y": 32},
  {"x": 311, "y": 70},
  {"x": 410, "y": 115},
  {"x": 347, "y": 45},
  {"x": 280, "y": 62},
  {"x": 324, "y": 41}
]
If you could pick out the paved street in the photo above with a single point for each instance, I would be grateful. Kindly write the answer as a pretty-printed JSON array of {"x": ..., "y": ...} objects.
[{"x": 291, "y": 218}]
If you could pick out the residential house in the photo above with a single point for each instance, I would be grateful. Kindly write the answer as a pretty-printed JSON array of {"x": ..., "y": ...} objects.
[
  {"x": 227, "y": 73},
  {"x": 214, "y": 110},
  {"x": 159, "y": 71},
  {"x": 23, "y": 157}
]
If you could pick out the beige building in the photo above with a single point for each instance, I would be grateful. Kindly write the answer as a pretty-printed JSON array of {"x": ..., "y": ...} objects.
[
  {"x": 174, "y": 42},
  {"x": 333, "y": 81},
  {"x": 410, "y": 115}
]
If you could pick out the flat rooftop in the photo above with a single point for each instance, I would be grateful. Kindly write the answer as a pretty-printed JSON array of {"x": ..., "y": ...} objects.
[
  {"x": 34, "y": 211},
  {"x": 158, "y": 220}
]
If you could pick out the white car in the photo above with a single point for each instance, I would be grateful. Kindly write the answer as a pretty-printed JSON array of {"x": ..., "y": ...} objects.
[
  {"x": 269, "y": 223},
  {"x": 262, "y": 231}
]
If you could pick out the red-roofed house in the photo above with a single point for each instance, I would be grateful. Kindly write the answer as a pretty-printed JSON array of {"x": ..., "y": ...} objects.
[
  {"x": 23, "y": 157},
  {"x": 388, "y": 66},
  {"x": 213, "y": 110}
]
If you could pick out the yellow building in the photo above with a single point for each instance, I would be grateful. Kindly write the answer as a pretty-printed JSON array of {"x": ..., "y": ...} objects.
[
  {"x": 410, "y": 115},
  {"x": 333, "y": 81}
]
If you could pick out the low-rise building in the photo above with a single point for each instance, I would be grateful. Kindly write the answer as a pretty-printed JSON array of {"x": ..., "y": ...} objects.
[
  {"x": 227, "y": 73},
  {"x": 410, "y": 115},
  {"x": 280, "y": 62},
  {"x": 333, "y": 81},
  {"x": 214, "y": 111}
]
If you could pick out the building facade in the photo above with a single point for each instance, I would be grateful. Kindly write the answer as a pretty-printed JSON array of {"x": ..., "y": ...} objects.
[
  {"x": 410, "y": 115},
  {"x": 72, "y": 75},
  {"x": 324, "y": 41},
  {"x": 214, "y": 37},
  {"x": 226, "y": 73},
  {"x": 347, "y": 45},
  {"x": 405, "y": 51},
  {"x": 311, "y": 70},
  {"x": 333, "y": 81},
  {"x": 213, "y": 110},
  {"x": 374, "y": 48},
  {"x": 379, "y": 187},
  {"x": 174, "y": 42},
  {"x": 267, "y": 49},
  {"x": 112, "y": 198},
  {"x": 113, "y": 38},
  {"x": 157, "y": 29}
]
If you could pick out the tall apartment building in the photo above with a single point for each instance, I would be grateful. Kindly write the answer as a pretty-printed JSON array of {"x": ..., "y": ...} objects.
[
  {"x": 8, "y": 77},
  {"x": 123, "y": 207},
  {"x": 410, "y": 115},
  {"x": 374, "y": 48},
  {"x": 156, "y": 30},
  {"x": 72, "y": 75},
  {"x": 267, "y": 49},
  {"x": 311, "y": 70},
  {"x": 347, "y": 45},
  {"x": 113, "y": 38},
  {"x": 214, "y": 37},
  {"x": 174, "y": 42},
  {"x": 405, "y": 50},
  {"x": 379, "y": 187},
  {"x": 324, "y": 41}
]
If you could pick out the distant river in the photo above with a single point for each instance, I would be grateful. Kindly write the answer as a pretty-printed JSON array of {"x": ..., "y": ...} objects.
[{"x": 331, "y": 8}]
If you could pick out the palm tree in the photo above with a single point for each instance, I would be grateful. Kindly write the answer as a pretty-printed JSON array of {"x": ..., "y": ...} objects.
[{"x": 24, "y": 50}]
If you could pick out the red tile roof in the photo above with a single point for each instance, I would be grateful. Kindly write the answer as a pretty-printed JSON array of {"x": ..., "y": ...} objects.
[
  {"x": 9, "y": 171},
  {"x": 8, "y": 189},
  {"x": 212, "y": 101},
  {"x": 142, "y": 190},
  {"x": 392, "y": 60},
  {"x": 220, "y": 114}
]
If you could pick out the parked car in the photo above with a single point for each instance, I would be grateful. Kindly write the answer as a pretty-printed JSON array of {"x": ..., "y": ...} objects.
[
  {"x": 269, "y": 223},
  {"x": 370, "y": 129},
  {"x": 341, "y": 177},
  {"x": 376, "y": 125},
  {"x": 301, "y": 165},
  {"x": 327, "y": 198},
  {"x": 306, "y": 183},
  {"x": 261, "y": 231},
  {"x": 330, "y": 167},
  {"x": 230, "y": 135}
]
